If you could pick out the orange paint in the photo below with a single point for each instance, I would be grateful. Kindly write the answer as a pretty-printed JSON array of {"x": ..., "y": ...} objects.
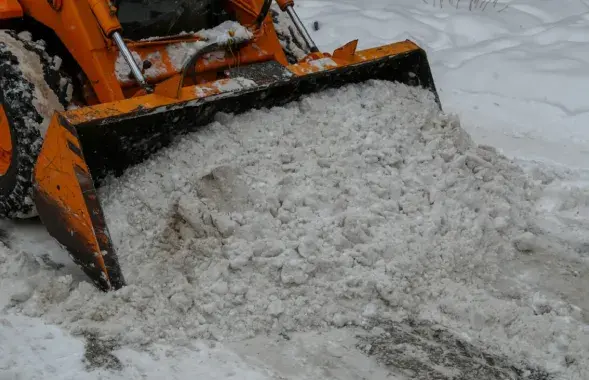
[
  {"x": 343, "y": 57},
  {"x": 10, "y": 9},
  {"x": 5, "y": 142},
  {"x": 56, "y": 179},
  {"x": 347, "y": 51}
]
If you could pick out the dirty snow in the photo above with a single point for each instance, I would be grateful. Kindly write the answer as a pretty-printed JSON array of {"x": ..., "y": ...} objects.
[
  {"x": 347, "y": 207},
  {"x": 157, "y": 68},
  {"x": 48, "y": 352}
]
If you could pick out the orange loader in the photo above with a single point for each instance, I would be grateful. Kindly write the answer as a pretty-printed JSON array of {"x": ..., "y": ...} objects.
[{"x": 89, "y": 88}]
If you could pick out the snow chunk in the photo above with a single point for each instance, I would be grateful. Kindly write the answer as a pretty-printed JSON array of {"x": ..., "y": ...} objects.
[
  {"x": 526, "y": 242},
  {"x": 275, "y": 308},
  {"x": 235, "y": 84},
  {"x": 226, "y": 33},
  {"x": 324, "y": 63}
]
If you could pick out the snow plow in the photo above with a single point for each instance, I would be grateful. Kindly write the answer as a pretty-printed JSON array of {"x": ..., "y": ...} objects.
[{"x": 87, "y": 103}]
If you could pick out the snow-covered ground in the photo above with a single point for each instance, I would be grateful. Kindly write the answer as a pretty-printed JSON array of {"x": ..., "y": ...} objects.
[
  {"x": 441, "y": 257},
  {"x": 514, "y": 72}
]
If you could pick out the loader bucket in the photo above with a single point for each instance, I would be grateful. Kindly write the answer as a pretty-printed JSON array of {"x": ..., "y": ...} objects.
[{"x": 82, "y": 146}]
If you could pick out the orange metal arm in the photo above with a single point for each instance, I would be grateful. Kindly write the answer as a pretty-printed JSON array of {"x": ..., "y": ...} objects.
[{"x": 105, "y": 13}]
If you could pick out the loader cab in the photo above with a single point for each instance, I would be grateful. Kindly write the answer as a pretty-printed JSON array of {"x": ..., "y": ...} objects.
[{"x": 158, "y": 18}]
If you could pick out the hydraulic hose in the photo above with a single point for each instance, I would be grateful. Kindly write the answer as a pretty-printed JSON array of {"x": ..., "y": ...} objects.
[{"x": 263, "y": 12}]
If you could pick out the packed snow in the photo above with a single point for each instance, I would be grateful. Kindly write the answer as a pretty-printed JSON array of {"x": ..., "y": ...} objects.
[{"x": 357, "y": 233}]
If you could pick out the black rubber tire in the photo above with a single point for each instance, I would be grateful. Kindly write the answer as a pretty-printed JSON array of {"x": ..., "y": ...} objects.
[{"x": 25, "y": 121}]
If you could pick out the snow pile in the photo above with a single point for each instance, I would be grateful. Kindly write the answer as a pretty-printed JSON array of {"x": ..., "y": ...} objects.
[{"x": 349, "y": 206}]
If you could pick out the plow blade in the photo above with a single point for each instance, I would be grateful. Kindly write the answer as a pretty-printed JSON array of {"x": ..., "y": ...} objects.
[{"x": 82, "y": 146}]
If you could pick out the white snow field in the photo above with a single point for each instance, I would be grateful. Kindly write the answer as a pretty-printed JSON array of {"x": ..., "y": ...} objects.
[{"x": 355, "y": 234}]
